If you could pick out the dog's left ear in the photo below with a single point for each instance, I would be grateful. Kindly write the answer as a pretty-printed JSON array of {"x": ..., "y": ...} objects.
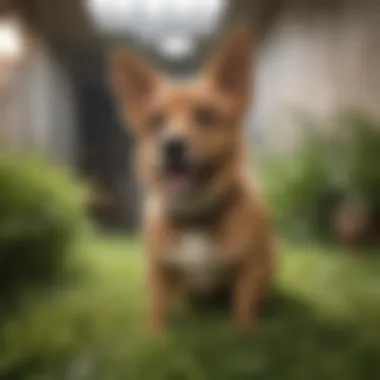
[
  {"x": 230, "y": 69},
  {"x": 132, "y": 80}
]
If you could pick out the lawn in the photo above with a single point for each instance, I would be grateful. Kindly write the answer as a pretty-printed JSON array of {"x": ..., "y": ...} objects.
[{"x": 322, "y": 322}]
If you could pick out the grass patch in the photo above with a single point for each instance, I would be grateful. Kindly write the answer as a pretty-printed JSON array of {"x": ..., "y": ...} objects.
[{"x": 323, "y": 322}]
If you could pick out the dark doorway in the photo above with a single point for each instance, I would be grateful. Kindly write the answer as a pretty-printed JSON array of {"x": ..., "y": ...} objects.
[{"x": 105, "y": 157}]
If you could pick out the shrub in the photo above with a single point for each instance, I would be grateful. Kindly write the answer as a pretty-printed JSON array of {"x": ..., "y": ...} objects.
[
  {"x": 363, "y": 157},
  {"x": 301, "y": 191},
  {"x": 307, "y": 187},
  {"x": 41, "y": 213}
]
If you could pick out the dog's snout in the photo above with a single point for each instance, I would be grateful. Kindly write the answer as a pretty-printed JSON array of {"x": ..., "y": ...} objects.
[{"x": 174, "y": 149}]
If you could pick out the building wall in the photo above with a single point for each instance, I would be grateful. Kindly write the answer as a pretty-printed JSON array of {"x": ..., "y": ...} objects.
[
  {"x": 319, "y": 62},
  {"x": 37, "y": 106},
  {"x": 44, "y": 110}
]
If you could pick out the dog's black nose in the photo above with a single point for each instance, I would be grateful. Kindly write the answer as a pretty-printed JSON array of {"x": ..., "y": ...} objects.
[{"x": 174, "y": 150}]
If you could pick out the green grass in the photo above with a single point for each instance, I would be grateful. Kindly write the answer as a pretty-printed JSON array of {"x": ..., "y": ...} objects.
[{"x": 322, "y": 322}]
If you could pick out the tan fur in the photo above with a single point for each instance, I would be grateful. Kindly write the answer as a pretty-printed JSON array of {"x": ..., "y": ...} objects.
[{"x": 238, "y": 247}]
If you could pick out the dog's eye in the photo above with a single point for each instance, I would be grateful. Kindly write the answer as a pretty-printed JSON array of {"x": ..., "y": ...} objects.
[
  {"x": 156, "y": 121},
  {"x": 206, "y": 116}
]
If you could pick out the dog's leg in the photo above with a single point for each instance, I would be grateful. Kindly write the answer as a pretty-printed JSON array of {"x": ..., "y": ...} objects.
[
  {"x": 159, "y": 294},
  {"x": 251, "y": 287}
]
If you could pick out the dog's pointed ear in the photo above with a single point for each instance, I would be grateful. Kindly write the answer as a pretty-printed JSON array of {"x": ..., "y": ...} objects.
[
  {"x": 230, "y": 70},
  {"x": 132, "y": 80}
]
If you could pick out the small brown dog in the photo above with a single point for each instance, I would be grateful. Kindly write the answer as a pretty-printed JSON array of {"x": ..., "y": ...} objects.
[{"x": 205, "y": 225}]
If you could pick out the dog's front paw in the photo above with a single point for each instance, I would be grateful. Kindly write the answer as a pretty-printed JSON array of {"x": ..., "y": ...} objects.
[
  {"x": 155, "y": 326},
  {"x": 245, "y": 323}
]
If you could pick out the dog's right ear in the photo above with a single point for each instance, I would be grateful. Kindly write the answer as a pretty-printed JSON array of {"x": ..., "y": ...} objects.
[
  {"x": 132, "y": 80},
  {"x": 230, "y": 70}
]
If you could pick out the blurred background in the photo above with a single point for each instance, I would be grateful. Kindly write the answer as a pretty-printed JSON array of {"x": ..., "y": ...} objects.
[{"x": 72, "y": 293}]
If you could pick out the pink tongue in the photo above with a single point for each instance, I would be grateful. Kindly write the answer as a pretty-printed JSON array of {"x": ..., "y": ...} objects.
[{"x": 178, "y": 184}]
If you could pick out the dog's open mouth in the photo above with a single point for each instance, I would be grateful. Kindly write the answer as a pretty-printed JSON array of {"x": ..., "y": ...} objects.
[
  {"x": 186, "y": 179},
  {"x": 180, "y": 180}
]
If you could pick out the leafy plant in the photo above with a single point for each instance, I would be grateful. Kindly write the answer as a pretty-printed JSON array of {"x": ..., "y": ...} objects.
[
  {"x": 307, "y": 186},
  {"x": 41, "y": 213}
]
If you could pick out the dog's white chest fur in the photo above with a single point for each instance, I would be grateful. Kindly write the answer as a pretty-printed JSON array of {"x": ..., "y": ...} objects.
[{"x": 196, "y": 257}]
